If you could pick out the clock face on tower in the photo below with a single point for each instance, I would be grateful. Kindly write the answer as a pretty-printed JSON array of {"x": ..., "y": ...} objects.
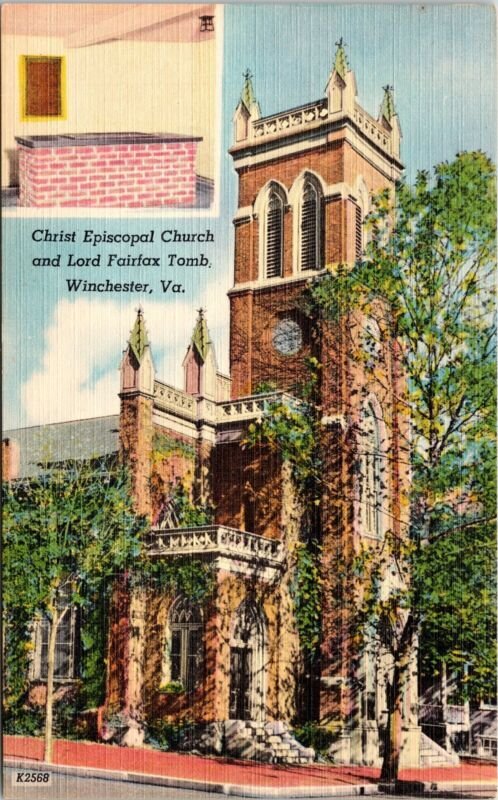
[{"x": 287, "y": 337}]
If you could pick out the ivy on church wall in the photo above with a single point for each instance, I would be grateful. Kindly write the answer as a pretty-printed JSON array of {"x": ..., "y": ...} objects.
[
  {"x": 93, "y": 653},
  {"x": 307, "y": 594},
  {"x": 173, "y": 462},
  {"x": 190, "y": 577},
  {"x": 165, "y": 446},
  {"x": 293, "y": 432},
  {"x": 18, "y": 634}
]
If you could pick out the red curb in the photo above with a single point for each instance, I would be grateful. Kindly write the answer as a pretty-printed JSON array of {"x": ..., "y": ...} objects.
[{"x": 223, "y": 770}]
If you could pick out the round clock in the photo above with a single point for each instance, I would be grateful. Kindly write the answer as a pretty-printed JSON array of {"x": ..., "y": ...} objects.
[{"x": 287, "y": 337}]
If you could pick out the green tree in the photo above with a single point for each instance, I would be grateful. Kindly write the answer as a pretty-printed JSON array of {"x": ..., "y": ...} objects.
[
  {"x": 431, "y": 258},
  {"x": 67, "y": 532}
]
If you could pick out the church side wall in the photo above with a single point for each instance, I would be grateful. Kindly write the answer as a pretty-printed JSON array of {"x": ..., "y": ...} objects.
[{"x": 247, "y": 488}]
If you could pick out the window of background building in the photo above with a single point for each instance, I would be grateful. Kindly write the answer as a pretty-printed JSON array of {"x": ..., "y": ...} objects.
[{"x": 42, "y": 87}]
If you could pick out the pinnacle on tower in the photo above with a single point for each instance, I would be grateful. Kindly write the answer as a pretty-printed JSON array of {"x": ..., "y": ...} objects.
[
  {"x": 247, "y": 97},
  {"x": 341, "y": 65},
  {"x": 200, "y": 336},
  {"x": 387, "y": 108},
  {"x": 138, "y": 338}
]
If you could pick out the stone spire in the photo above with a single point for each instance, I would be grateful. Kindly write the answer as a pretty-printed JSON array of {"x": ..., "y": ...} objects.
[
  {"x": 199, "y": 364},
  {"x": 247, "y": 110},
  {"x": 137, "y": 368},
  {"x": 341, "y": 65},
  {"x": 388, "y": 118},
  {"x": 341, "y": 85},
  {"x": 139, "y": 340},
  {"x": 200, "y": 336},
  {"x": 387, "y": 108},
  {"x": 247, "y": 95}
]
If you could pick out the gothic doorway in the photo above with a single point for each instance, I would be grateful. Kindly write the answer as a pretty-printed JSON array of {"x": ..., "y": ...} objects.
[{"x": 247, "y": 684}]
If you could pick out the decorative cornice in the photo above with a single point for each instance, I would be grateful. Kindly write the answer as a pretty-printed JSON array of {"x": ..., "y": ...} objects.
[
  {"x": 312, "y": 127},
  {"x": 201, "y": 412}
]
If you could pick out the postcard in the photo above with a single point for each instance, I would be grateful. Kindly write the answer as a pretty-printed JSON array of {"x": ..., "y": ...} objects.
[{"x": 248, "y": 449}]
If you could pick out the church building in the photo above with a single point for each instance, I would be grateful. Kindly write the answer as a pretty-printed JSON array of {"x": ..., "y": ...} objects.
[
  {"x": 235, "y": 665},
  {"x": 306, "y": 177}
]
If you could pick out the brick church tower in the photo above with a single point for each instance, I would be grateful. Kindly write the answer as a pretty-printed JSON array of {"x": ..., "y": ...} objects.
[{"x": 306, "y": 179}]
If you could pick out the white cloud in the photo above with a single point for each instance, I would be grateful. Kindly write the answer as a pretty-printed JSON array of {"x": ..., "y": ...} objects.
[{"x": 79, "y": 377}]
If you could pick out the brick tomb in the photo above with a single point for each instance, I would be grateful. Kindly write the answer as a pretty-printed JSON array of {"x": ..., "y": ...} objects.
[{"x": 125, "y": 170}]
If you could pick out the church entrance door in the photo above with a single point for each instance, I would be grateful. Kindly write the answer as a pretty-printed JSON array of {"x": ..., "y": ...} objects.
[
  {"x": 240, "y": 682},
  {"x": 247, "y": 664}
]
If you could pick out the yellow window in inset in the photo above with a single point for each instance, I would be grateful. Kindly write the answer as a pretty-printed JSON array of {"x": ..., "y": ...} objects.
[{"x": 43, "y": 87}]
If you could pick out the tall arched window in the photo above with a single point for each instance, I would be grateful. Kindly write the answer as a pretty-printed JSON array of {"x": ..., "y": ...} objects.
[
  {"x": 269, "y": 208},
  {"x": 369, "y": 704},
  {"x": 358, "y": 236},
  {"x": 310, "y": 226},
  {"x": 361, "y": 209},
  {"x": 186, "y": 660},
  {"x": 247, "y": 663},
  {"x": 371, "y": 474},
  {"x": 274, "y": 229}
]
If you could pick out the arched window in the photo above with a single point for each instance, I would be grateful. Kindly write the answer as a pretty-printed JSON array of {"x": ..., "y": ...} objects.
[
  {"x": 369, "y": 709},
  {"x": 371, "y": 474},
  {"x": 274, "y": 228},
  {"x": 358, "y": 237},
  {"x": 247, "y": 663},
  {"x": 310, "y": 226},
  {"x": 269, "y": 207},
  {"x": 361, "y": 210},
  {"x": 186, "y": 660}
]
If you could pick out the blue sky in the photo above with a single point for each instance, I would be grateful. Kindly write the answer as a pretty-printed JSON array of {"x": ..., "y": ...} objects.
[{"x": 61, "y": 354}]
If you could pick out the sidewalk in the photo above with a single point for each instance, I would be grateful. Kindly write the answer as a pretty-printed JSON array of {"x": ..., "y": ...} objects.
[{"x": 231, "y": 776}]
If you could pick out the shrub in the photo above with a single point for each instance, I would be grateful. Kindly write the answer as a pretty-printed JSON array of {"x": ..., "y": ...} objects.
[
  {"x": 170, "y": 736},
  {"x": 311, "y": 734}
]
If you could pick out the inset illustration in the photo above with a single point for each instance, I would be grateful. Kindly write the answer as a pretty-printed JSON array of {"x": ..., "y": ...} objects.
[{"x": 104, "y": 106}]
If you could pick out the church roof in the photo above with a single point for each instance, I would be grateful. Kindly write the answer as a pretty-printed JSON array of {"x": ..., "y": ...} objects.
[{"x": 81, "y": 439}]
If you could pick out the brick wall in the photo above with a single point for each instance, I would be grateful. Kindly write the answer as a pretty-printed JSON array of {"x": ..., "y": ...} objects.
[
  {"x": 248, "y": 488},
  {"x": 253, "y": 358},
  {"x": 135, "y": 433},
  {"x": 326, "y": 160},
  {"x": 10, "y": 459},
  {"x": 121, "y": 175}
]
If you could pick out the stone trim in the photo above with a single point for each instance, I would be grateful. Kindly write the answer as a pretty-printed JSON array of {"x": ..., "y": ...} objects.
[
  {"x": 230, "y": 545},
  {"x": 318, "y": 137}
]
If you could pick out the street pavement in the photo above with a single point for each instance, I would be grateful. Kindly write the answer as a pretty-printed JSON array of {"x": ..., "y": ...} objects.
[
  {"x": 181, "y": 773},
  {"x": 70, "y": 787}
]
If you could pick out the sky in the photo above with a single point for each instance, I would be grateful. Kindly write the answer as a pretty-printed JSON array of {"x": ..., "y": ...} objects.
[{"x": 62, "y": 352}]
